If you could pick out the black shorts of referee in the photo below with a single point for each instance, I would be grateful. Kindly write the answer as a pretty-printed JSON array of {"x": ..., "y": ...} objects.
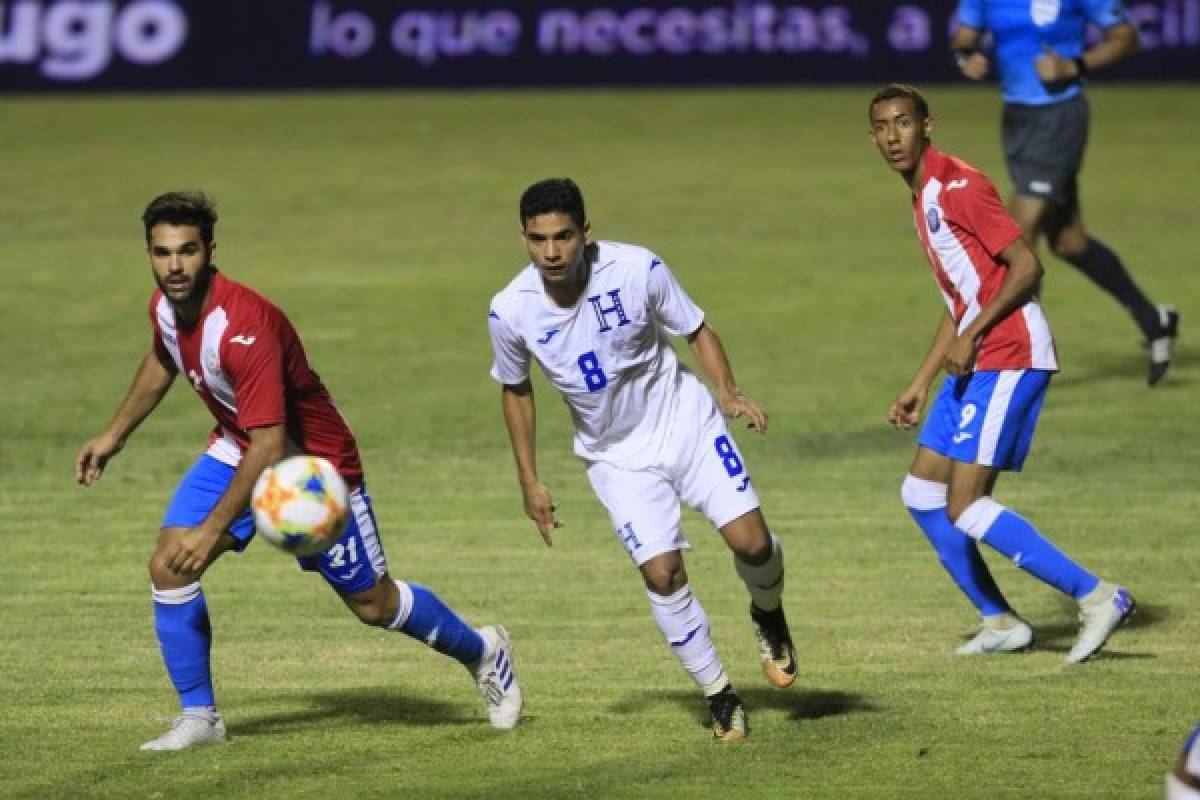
[{"x": 1043, "y": 147}]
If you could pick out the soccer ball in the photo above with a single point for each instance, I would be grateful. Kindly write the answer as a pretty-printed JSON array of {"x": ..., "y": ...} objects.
[{"x": 301, "y": 505}]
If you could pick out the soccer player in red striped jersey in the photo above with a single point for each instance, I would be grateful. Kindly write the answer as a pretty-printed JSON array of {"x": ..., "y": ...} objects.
[
  {"x": 996, "y": 347},
  {"x": 247, "y": 365}
]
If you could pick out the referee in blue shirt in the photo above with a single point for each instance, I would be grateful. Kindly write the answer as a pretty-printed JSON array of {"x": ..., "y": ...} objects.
[{"x": 1040, "y": 52}]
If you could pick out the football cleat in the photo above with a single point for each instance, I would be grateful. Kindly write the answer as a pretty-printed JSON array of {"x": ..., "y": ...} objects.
[
  {"x": 496, "y": 679},
  {"x": 1098, "y": 623},
  {"x": 728, "y": 716},
  {"x": 1163, "y": 344},
  {"x": 190, "y": 729},
  {"x": 990, "y": 641},
  {"x": 775, "y": 646}
]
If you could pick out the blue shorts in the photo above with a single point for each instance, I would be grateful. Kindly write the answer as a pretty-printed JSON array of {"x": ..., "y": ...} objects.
[
  {"x": 986, "y": 418},
  {"x": 350, "y": 566}
]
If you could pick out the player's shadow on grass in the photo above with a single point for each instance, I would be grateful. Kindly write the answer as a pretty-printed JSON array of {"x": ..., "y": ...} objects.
[
  {"x": 1058, "y": 637},
  {"x": 1131, "y": 364},
  {"x": 799, "y": 703},
  {"x": 383, "y": 706}
]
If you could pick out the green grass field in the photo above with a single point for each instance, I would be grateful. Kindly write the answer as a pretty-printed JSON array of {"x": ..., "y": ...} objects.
[{"x": 383, "y": 223}]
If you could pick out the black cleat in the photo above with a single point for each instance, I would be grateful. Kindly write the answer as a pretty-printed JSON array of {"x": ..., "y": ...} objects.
[
  {"x": 775, "y": 646},
  {"x": 728, "y": 716},
  {"x": 1161, "y": 346}
]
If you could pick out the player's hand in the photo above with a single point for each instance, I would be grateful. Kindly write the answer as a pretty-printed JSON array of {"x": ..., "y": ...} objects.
[
  {"x": 960, "y": 355},
  {"x": 739, "y": 405},
  {"x": 1054, "y": 69},
  {"x": 539, "y": 507},
  {"x": 905, "y": 413},
  {"x": 93, "y": 457},
  {"x": 193, "y": 550},
  {"x": 974, "y": 67}
]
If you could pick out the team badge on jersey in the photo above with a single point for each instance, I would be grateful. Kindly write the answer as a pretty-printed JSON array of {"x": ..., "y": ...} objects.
[
  {"x": 933, "y": 220},
  {"x": 212, "y": 362},
  {"x": 615, "y": 308},
  {"x": 1044, "y": 12}
]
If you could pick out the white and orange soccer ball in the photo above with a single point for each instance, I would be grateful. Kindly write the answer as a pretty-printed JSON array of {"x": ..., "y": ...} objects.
[{"x": 301, "y": 505}]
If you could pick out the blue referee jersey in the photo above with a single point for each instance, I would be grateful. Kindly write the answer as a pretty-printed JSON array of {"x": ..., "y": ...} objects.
[{"x": 1020, "y": 29}]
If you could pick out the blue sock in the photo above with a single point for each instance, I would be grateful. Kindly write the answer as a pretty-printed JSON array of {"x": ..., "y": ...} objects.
[
  {"x": 1015, "y": 537},
  {"x": 185, "y": 638},
  {"x": 959, "y": 554},
  {"x": 422, "y": 615}
]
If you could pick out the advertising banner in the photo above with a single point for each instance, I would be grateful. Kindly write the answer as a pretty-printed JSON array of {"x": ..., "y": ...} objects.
[{"x": 67, "y": 45}]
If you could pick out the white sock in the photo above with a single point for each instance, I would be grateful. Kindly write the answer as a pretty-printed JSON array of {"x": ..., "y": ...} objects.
[
  {"x": 684, "y": 625},
  {"x": 765, "y": 582},
  {"x": 403, "y": 606}
]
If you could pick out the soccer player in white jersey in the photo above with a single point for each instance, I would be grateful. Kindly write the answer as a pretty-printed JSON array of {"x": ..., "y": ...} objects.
[
  {"x": 995, "y": 346},
  {"x": 247, "y": 365},
  {"x": 1183, "y": 781},
  {"x": 597, "y": 317}
]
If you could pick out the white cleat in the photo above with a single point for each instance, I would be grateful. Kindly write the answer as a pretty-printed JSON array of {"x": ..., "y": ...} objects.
[
  {"x": 990, "y": 641},
  {"x": 496, "y": 679},
  {"x": 1162, "y": 345},
  {"x": 190, "y": 730},
  {"x": 1098, "y": 623}
]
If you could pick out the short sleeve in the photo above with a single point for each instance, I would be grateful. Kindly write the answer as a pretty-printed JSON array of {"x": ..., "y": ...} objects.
[
  {"x": 254, "y": 363},
  {"x": 669, "y": 303},
  {"x": 970, "y": 14},
  {"x": 977, "y": 207},
  {"x": 1106, "y": 13},
  {"x": 512, "y": 358}
]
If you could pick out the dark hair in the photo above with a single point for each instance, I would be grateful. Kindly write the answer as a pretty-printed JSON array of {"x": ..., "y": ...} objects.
[
  {"x": 553, "y": 195},
  {"x": 895, "y": 90},
  {"x": 182, "y": 208}
]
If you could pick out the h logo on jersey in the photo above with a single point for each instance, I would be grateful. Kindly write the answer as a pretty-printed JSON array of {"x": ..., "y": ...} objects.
[
  {"x": 602, "y": 312},
  {"x": 1044, "y": 12}
]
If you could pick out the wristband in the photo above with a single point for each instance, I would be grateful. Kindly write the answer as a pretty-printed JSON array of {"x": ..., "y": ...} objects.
[{"x": 1081, "y": 66}]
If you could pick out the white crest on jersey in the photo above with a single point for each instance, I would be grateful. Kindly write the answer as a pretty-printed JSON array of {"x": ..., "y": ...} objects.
[{"x": 1044, "y": 12}]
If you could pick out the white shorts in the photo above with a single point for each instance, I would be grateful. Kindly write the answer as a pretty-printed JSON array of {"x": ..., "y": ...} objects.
[{"x": 705, "y": 470}]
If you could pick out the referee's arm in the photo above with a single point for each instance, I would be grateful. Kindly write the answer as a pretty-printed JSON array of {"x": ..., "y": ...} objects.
[
  {"x": 971, "y": 61},
  {"x": 1119, "y": 42}
]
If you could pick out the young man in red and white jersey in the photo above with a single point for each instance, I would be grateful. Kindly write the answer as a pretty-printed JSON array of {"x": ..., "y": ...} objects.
[
  {"x": 243, "y": 358},
  {"x": 996, "y": 348}
]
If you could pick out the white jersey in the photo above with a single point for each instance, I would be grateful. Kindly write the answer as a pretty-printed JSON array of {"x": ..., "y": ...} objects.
[{"x": 609, "y": 355}]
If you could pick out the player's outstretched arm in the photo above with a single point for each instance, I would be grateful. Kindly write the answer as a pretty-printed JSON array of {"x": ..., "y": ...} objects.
[
  {"x": 150, "y": 384},
  {"x": 905, "y": 412},
  {"x": 710, "y": 355},
  {"x": 971, "y": 61},
  {"x": 520, "y": 417},
  {"x": 195, "y": 549},
  {"x": 1021, "y": 280}
]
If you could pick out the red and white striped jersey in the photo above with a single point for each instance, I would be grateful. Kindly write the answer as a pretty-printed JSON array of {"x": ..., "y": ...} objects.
[
  {"x": 963, "y": 227},
  {"x": 245, "y": 361}
]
